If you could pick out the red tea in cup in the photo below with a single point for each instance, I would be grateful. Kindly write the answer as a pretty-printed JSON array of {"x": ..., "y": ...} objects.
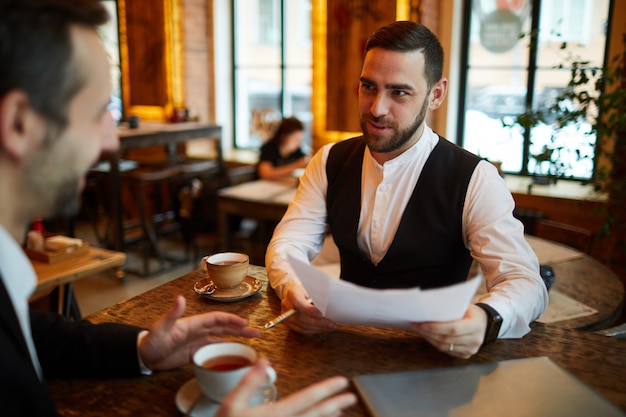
[
  {"x": 220, "y": 366},
  {"x": 226, "y": 363}
]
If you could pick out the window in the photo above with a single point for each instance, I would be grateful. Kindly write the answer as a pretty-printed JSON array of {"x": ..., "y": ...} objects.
[
  {"x": 272, "y": 67},
  {"x": 110, "y": 39},
  {"x": 504, "y": 75}
]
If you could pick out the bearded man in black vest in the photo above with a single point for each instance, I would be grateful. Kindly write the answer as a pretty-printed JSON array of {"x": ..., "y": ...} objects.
[{"x": 407, "y": 208}]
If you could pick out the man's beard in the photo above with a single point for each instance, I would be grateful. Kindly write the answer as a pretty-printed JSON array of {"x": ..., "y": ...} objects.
[
  {"x": 61, "y": 197},
  {"x": 401, "y": 137},
  {"x": 58, "y": 196},
  {"x": 67, "y": 200}
]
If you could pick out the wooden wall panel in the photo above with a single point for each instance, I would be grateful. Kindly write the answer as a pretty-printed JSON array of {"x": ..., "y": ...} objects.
[
  {"x": 147, "y": 75},
  {"x": 427, "y": 12},
  {"x": 350, "y": 23}
]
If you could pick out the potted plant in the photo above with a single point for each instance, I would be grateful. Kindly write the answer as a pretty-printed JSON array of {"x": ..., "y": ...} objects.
[{"x": 569, "y": 114}]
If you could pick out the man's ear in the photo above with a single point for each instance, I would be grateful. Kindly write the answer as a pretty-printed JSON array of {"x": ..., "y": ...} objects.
[
  {"x": 438, "y": 94},
  {"x": 20, "y": 125}
]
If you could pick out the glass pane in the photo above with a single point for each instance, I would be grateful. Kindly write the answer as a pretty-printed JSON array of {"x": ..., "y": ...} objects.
[
  {"x": 298, "y": 33},
  {"x": 257, "y": 33},
  {"x": 580, "y": 24},
  {"x": 261, "y": 95},
  {"x": 495, "y": 34},
  {"x": 496, "y": 80},
  {"x": 297, "y": 100},
  {"x": 487, "y": 106},
  {"x": 573, "y": 145},
  {"x": 110, "y": 40},
  {"x": 257, "y": 105},
  {"x": 571, "y": 31}
]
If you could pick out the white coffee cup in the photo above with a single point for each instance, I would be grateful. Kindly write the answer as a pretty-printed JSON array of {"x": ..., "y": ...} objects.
[
  {"x": 220, "y": 366},
  {"x": 227, "y": 270}
]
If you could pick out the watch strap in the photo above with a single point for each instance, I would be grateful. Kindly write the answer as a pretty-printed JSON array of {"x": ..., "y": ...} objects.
[{"x": 494, "y": 322}]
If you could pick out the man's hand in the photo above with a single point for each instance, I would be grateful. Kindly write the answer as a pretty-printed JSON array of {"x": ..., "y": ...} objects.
[
  {"x": 318, "y": 400},
  {"x": 461, "y": 338},
  {"x": 171, "y": 341},
  {"x": 309, "y": 319}
]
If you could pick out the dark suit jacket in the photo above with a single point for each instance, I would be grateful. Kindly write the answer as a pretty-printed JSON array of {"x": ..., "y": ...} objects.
[{"x": 66, "y": 349}]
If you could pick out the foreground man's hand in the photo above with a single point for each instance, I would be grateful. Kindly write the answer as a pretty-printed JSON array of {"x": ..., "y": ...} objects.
[
  {"x": 172, "y": 340},
  {"x": 320, "y": 400}
]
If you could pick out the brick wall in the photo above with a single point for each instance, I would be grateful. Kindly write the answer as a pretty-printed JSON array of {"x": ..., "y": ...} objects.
[{"x": 198, "y": 57}]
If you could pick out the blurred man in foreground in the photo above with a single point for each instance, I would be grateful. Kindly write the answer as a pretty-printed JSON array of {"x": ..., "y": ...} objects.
[{"x": 54, "y": 124}]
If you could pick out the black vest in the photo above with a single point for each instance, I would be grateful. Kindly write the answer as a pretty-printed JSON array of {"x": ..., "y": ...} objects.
[{"x": 427, "y": 250}]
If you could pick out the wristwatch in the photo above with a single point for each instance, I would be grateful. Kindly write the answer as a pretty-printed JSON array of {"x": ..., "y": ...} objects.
[{"x": 494, "y": 322}]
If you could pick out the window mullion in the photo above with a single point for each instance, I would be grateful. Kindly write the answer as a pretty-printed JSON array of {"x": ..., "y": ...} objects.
[
  {"x": 532, "y": 73},
  {"x": 283, "y": 72}
]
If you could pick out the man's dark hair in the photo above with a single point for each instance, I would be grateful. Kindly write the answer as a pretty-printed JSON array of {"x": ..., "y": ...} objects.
[
  {"x": 36, "y": 51},
  {"x": 405, "y": 36}
]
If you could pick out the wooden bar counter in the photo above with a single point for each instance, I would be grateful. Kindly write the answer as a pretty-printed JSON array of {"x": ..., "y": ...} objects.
[{"x": 300, "y": 360}]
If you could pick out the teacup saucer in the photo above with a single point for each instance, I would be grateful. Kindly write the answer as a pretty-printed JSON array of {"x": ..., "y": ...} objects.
[
  {"x": 190, "y": 394},
  {"x": 248, "y": 287}
]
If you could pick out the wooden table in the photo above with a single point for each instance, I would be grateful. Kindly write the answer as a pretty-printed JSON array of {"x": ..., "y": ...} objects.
[
  {"x": 150, "y": 134},
  {"x": 65, "y": 272},
  {"x": 598, "y": 361},
  {"x": 584, "y": 279}
]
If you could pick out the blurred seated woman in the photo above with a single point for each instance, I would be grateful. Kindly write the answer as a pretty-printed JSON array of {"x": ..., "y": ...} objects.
[{"x": 281, "y": 155}]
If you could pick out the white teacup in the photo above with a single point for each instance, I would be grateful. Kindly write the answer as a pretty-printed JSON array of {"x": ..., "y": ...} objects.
[
  {"x": 220, "y": 366},
  {"x": 227, "y": 270}
]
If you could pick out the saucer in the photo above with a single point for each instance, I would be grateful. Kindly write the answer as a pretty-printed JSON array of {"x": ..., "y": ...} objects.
[
  {"x": 190, "y": 393},
  {"x": 248, "y": 287}
]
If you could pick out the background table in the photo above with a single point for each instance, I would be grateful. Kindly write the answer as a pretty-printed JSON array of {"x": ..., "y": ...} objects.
[
  {"x": 300, "y": 360},
  {"x": 584, "y": 279},
  {"x": 65, "y": 272},
  {"x": 263, "y": 200}
]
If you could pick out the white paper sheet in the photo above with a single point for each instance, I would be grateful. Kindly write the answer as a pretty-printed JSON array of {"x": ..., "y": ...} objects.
[{"x": 347, "y": 303}]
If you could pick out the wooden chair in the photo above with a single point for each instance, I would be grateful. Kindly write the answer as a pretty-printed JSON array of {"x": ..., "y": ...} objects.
[
  {"x": 529, "y": 218},
  {"x": 146, "y": 184},
  {"x": 196, "y": 204},
  {"x": 569, "y": 235}
]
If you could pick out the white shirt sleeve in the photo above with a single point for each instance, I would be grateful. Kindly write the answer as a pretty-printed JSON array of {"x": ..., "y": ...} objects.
[
  {"x": 142, "y": 366},
  {"x": 496, "y": 240},
  {"x": 302, "y": 229}
]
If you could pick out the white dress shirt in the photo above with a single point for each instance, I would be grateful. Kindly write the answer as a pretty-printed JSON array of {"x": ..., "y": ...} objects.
[
  {"x": 494, "y": 237},
  {"x": 20, "y": 280}
]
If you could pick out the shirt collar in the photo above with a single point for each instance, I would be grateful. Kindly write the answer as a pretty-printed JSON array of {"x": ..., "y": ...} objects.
[{"x": 15, "y": 269}]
